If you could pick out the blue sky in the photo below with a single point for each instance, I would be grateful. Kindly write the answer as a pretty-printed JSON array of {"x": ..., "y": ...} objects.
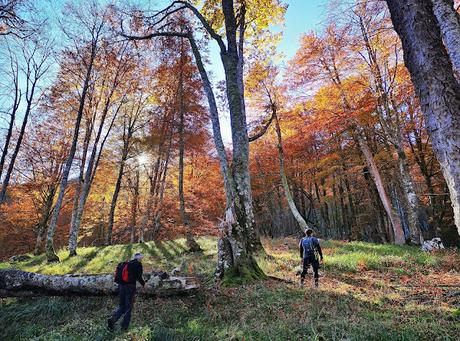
[{"x": 302, "y": 16}]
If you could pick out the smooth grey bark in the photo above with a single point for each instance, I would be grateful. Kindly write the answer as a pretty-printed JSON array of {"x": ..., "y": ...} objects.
[
  {"x": 191, "y": 242},
  {"x": 238, "y": 228},
  {"x": 245, "y": 239},
  {"x": 90, "y": 173},
  {"x": 96, "y": 153},
  {"x": 449, "y": 23},
  {"x": 214, "y": 113},
  {"x": 436, "y": 86},
  {"x": 81, "y": 175},
  {"x": 50, "y": 254},
  {"x": 15, "y": 282},
  {"x": 284, "y": 182}
]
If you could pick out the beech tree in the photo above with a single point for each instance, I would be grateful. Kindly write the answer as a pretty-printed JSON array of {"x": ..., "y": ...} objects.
[
  {"x": 266, "y": 94},
  {"x": 380, "y": 54},
  {"x": 133, "y": 119},
  {"x": 111, "y": 65},
  {"x": 327, "y": 59},
  {"x": 433, "y": 76},
  {"x": 239, "y": 239},
  {"x": 87, "y": 44},
  {"x": 449, "y": 22}
]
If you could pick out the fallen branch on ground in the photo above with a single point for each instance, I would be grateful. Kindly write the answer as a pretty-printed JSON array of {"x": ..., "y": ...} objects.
[{"x": 15, "y": 282}]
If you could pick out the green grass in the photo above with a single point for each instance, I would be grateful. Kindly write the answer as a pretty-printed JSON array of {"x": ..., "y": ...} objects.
[{"x": 367, "y": 292}]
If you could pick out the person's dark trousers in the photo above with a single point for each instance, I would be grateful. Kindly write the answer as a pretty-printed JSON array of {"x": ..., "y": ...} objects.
[
  {"x": 127, "y": 293},
  {"x": 306, "y": 264}
]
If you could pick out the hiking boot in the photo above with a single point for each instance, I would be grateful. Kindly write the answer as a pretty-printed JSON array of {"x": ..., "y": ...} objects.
[
  {"x": 316, "y": 282},
  {"x": 110, "y": 325},
  {"x": 301, "y": 283}
]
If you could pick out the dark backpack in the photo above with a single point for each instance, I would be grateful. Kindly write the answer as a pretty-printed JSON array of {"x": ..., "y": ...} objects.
[
  {"x": 309, "y": 248},
  {"x": 121, "y": 273}
]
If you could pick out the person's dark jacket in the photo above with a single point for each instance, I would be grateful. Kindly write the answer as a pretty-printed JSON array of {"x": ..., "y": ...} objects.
[
  {"x": 135, "y": 271},
  {"x": 307, "y": 247}
]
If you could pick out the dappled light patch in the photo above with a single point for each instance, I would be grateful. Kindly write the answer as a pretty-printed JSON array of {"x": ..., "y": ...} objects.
[{"x": 416, "y": 301}]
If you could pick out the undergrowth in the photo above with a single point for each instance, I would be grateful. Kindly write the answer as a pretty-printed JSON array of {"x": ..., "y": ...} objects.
[{"x": 367, "y": 292}]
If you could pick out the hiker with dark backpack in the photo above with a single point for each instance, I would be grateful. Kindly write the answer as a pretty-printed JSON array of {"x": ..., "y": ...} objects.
[
  {"x": 310, "y": 251},
  {"x": 126, "y": 276}
]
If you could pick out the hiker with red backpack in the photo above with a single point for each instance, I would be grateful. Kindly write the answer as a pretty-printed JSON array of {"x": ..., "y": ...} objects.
[
  {"x": 311, "y": 253},
  {"x": 126, "y": 276}
]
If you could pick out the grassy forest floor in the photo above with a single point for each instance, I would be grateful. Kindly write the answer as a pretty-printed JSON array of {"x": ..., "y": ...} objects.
[{"x": 367, "y": 292}]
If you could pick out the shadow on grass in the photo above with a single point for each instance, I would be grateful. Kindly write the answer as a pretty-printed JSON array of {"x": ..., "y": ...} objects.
[
  {"x": 181, "y": 248},
  {"x": 86, "y": 259},
  {"x": 149, "y": 249},
  {"x": 173, "y": 247},
  {"x": 35, "y": 261},
  {"x": 164, "y": 251},
  {"x": 288, "y": 314}
]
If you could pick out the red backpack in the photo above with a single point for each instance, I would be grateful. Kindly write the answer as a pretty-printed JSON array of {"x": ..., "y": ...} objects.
[{"x": 121, "y": 273}]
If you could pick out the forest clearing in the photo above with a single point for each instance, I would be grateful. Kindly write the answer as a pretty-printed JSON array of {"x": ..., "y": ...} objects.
[
  {"x": 230, "y": 169},
  {"x": 368, "y": 292}
]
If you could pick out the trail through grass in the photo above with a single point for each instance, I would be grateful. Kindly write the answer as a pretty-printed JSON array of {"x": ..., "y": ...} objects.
[{"x": 367, "y": 292}]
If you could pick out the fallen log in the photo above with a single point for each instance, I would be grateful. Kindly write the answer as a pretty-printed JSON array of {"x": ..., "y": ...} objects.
[{"x": 15, "y": 282}]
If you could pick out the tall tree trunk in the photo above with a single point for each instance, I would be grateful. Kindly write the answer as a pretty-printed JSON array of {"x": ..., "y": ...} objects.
[
  {"x": 239, "y": 238},
  {"x": 81, "y": 175},
  {"x": 449, "y": 23},
  {"x": 284, "y": 182},
  {"x": 391, "y": 126},
  {"x": 134, "y": 206},
  {"x": 94, "y": 159},
  {"x": 232, "y": 247},
  {"x": 216, "y": 133},
  {"x": 191, "y": 242},
  {"x": 113, "y": 203},
  {"x": 411, "y": 197},
  {"x": 87, "y": 182},
  {"x": 436, "y": 86},
  {"x": 50, "y": 254},
  {"x": 392, "y": 216},
  {"x": 384, "y": 230}
]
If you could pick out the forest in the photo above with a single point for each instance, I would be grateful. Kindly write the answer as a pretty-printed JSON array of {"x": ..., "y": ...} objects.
[
  {"x": 181, "y": 127},
  {"x": 114, "y": 138}
]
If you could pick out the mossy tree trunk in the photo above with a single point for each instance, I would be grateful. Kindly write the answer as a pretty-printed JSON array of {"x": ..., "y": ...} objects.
[{"x": 239, "y": 238}]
